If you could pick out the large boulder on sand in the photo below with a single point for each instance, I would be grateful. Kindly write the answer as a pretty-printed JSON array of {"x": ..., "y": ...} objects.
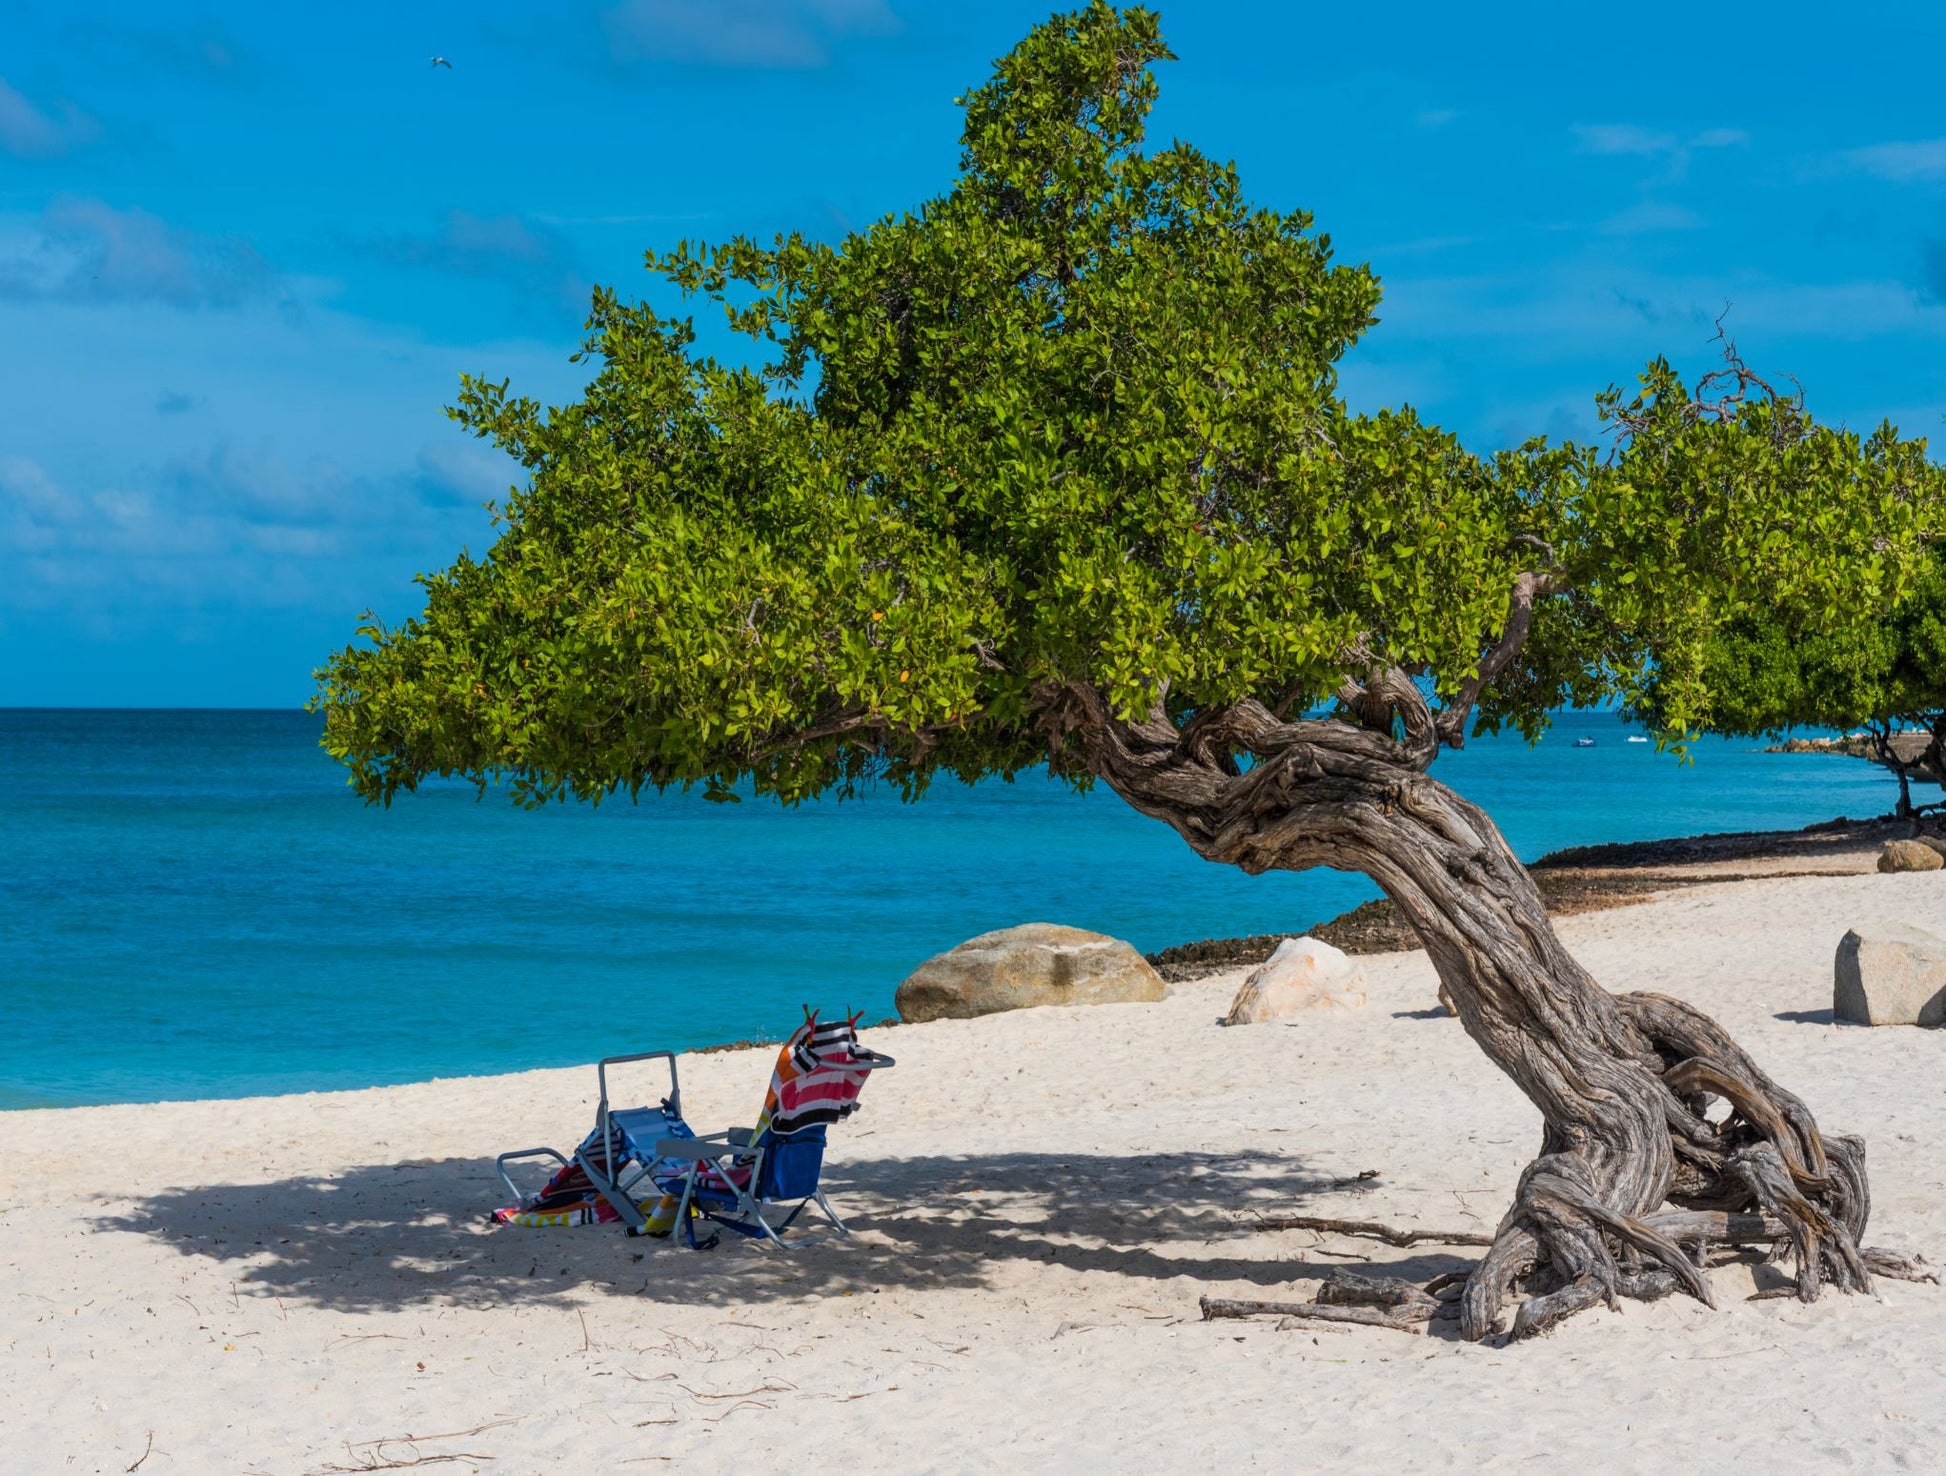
[
  {"x": 1017, "y": 968},
  {"x": 1909, "y": 855},
  {"x": 1303, "y": 974},
  {"x": 1892, "y": 975}
]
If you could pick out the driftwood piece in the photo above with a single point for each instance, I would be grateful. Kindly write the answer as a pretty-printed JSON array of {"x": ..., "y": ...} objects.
[
  {"x": 1400, "y": 1298},
  {"x": 1215, "y": 1308},
  {"x": 1898, "y": 1266},
  {"x": 1371, "y": 1230}
]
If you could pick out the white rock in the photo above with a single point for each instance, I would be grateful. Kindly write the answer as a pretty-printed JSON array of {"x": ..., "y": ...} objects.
[
  {"x": 1303, "y": 974},
  {"x": 1893, "y": 975}
]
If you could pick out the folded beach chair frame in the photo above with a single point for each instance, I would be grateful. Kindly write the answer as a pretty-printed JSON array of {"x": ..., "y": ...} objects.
[{"x": 617, "y": 1156}]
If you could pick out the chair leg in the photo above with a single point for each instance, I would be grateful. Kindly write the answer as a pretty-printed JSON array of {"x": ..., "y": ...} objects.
[
  {"x": 754, "y": 1209},
  {"x": 831, "y": 1214},
  {"x": 683, "y": 1227},
  {"x": 610, "y": 1190}
]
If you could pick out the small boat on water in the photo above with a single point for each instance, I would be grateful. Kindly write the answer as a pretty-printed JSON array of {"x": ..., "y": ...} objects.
[
  {"x": 1636, "y": 738},
  {"x": 1584, "y": 743}
]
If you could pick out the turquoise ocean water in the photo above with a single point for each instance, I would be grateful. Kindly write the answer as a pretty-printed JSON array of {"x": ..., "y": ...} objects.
[{"x": 192, "y": 904}]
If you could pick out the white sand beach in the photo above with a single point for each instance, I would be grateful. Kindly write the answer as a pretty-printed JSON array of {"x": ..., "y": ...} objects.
[{"x": 304, "y": 1284}]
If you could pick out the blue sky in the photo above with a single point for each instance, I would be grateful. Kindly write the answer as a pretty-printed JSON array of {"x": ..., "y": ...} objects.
[{"x": 245, "y": 251}]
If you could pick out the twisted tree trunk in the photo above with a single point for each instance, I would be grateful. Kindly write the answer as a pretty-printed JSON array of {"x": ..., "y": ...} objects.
[{"x": 1623, "y": 1083}]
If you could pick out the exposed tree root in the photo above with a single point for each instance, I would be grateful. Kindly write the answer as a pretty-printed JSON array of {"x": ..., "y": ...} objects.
[
  {"x": 1761, "y": 1173},
  {"x": 1371, "y": 1230},
  {"x": 1370, "y": 1301}
]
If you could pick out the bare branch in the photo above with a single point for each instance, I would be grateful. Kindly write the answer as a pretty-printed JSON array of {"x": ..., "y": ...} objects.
[{"x": 1452, "y": 719}]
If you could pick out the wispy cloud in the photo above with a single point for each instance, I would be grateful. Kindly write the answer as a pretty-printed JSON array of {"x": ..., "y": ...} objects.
[
  {"x": 449, "y": 475},
  {"x": 85, "y": 250},
  {"x": 31, "y": 132},
  {"x": 1719, "y": 138},
  {"x": 532, "y": 258},
  {"x": 1674, "y": 150},
  {"x": 206, "y": 51},
  {"x": 228, "y": 525},
  {"x": 1651, "y": 216},
  {"x": 1622, "y": 138},
  {"x": 1588, "y": 304},
  {"x": 1899, "y": 162},
  {"x": 741, "y": 33},
  {"x": 1668, "y": 154}
]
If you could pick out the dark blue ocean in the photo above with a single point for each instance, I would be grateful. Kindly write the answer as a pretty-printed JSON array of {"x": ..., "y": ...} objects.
[{"x": 192, "y": 904}]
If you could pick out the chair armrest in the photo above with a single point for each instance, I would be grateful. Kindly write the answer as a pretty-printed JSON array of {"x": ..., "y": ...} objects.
[
  {"x": 500, "y": 1166},
  {"x": 707, "y": 1146}
]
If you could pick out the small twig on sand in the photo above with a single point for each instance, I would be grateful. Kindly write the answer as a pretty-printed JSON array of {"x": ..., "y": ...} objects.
[
  {"x": 369, "y": 1455},
  {"x": 587, "y": 1344},
  {"x": 765, "y": 1388},
  {"x": 136, "y": 1464},
  {"x": 1390, "y": 1234},
  {"x": 742, "y": 1404}
]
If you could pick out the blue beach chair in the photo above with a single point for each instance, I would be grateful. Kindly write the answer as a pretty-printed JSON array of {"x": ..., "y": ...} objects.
[{"x": 737, "y": 1178}]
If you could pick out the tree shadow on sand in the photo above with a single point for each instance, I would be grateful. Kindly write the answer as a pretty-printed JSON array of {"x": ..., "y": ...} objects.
[{"x": 390, "y": 1236}]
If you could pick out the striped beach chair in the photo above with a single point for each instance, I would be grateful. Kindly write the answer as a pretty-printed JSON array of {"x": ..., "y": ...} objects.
[{"x": 735, "y": 1178}]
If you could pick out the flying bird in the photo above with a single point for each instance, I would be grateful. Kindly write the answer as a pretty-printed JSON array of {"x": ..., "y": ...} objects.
[{"x": 440, "y": 61}]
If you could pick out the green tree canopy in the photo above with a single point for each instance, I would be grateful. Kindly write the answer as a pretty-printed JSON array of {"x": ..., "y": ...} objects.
[{"x": 1073, "y": 421}]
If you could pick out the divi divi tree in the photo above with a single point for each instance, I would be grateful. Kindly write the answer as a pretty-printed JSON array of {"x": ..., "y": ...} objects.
[{"x": 1051, "y": 470}]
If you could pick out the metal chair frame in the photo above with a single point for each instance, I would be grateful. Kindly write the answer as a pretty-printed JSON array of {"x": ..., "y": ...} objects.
[{"x": 707, "y": 1154}]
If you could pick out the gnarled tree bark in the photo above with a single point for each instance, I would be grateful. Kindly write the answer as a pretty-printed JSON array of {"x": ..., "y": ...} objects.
[{"x": 1623, "y": 1083}]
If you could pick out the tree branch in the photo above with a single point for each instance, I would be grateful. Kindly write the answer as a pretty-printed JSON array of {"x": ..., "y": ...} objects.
[{"x": 1452, "y": 719}]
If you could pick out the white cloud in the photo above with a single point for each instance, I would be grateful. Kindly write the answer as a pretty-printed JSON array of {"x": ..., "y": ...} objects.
[
  {"x": 1900, "y": 162},
  {"x": 1649, "y": 217},
  {"x": 29, "y": 132},
  {"x": 1626, "y": 138},
  {"x": 1569, "y": 309},
  {"x": 741, "y": 33},
  {"x": 1622, "y": 138},
  {"x": 463, "y": 475},
  {"x": 85, "y": 250},
  {"x": 535, "y": 260},
  {"x": 224, "y": 527}
]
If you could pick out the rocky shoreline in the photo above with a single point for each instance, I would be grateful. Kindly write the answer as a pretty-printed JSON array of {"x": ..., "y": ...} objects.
[
  {"x": 1908, "y": 748},
  {"x": 1582, "y": 879}
]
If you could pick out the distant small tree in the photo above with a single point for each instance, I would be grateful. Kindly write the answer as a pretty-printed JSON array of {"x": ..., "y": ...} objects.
[
  {"x": 1052, "y": 471},
  {"x": 1884, "y": 674}
]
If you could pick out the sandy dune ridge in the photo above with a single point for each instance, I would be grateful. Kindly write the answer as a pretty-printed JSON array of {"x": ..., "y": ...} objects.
[{"x": 303, "y": 1284}]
